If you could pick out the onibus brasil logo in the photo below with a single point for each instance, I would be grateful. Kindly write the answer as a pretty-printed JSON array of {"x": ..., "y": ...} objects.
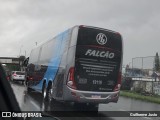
[{"x": 101, "y": 39}]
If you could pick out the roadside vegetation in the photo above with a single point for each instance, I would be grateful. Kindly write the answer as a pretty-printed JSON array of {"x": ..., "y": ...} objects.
[{"x": 139, "y": 96}]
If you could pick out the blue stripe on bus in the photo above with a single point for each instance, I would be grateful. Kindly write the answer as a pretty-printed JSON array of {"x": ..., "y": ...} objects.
[{"x": 54, "y": 63}]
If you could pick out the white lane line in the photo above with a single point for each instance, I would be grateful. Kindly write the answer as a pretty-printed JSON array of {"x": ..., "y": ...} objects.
[
  {"x": 123, "y": 110},
  {"x": 35, "y": 105}
]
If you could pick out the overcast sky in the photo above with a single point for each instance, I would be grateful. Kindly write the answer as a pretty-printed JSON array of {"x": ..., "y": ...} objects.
[{"x": 25, "y": 22}]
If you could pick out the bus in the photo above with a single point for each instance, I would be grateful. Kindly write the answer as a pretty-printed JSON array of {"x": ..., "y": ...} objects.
[{"x": 81, "y": 65}]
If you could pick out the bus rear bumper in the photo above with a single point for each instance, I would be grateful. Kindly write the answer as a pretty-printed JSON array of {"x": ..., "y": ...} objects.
[{"x": 91, "y": 97}]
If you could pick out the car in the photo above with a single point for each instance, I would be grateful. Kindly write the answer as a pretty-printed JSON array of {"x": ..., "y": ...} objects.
[
  {"x": 18, "y": 76},
  {"x": 9, "y": 104},
  {"x": 8, "y": 75}
]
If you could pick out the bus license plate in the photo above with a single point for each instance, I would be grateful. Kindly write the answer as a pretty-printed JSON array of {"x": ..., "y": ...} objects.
[{"x": 96, "y": 96}]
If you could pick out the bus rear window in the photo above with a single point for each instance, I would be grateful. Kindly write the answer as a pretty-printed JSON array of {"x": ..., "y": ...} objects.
[{"x": 99, "y": 37}]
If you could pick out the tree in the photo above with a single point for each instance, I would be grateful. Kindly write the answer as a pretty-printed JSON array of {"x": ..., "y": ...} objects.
[{"x": 157, "y": 64}]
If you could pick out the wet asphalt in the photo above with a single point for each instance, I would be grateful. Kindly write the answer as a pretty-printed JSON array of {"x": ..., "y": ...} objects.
[{"x": 35, "y": 102}]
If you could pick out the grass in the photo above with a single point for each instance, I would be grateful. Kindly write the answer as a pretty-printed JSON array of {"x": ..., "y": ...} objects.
[{"x": 154, "y": 98}]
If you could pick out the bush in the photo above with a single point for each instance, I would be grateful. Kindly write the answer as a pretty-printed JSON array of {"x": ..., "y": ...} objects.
[{"x": 154, "y": 98}]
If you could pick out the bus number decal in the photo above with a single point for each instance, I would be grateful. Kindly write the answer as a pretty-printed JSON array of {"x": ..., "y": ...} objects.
[{"x": 97, "y": 82}]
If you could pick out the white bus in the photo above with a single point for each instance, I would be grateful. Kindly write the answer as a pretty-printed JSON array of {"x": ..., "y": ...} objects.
[{"x": 81, "y": 65}]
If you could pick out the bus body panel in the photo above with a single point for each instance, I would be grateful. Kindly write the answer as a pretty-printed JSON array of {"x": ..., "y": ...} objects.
[
  {"x": 97, "y": 64},
  {"x": 89, "y": 96},
  {"x": 58, "y": 90},
  {"x": 45, "y": 67},
  {"x": 96, "y": 69},
  {"x": 89, "y": 89}
]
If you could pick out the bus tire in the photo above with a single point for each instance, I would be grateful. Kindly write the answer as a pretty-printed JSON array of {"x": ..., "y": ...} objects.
[
  {"x": 49, "y": 92},
  {"x": 48, "y": 96},
  {"x": 29, "y": 90},
  {"x": 44, "y": 91}
]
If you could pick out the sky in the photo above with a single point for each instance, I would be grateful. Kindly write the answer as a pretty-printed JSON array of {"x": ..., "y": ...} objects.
[{"x": 23, "y": 23}]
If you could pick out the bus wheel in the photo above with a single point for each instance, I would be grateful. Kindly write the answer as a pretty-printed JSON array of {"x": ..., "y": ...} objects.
[
  {"x": 29, "y": 90},
  {"x": 49, "y": 93},
  {"x": 44, "y": 91}
]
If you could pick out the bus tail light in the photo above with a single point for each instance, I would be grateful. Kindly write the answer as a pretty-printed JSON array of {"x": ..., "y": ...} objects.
[
  {"x": 70, "y": 81},
  {"x": 30, "y": 78},
  {"x": 118, "y": 85}
]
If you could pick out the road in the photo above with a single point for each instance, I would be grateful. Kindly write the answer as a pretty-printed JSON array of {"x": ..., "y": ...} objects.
[{"x": 34, "y": 102}]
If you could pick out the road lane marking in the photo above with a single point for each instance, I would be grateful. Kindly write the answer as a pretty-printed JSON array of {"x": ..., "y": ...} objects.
[
  {"x": 35, "y": 105},
  {"x": 123, "y": 110}
]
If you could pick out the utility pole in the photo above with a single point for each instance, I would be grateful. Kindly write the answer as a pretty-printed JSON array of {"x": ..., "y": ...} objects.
[
  {"x": 19, "y": 56},
  {"x": 25, "y": 54},
  {"x": 20, "y": 50}
]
